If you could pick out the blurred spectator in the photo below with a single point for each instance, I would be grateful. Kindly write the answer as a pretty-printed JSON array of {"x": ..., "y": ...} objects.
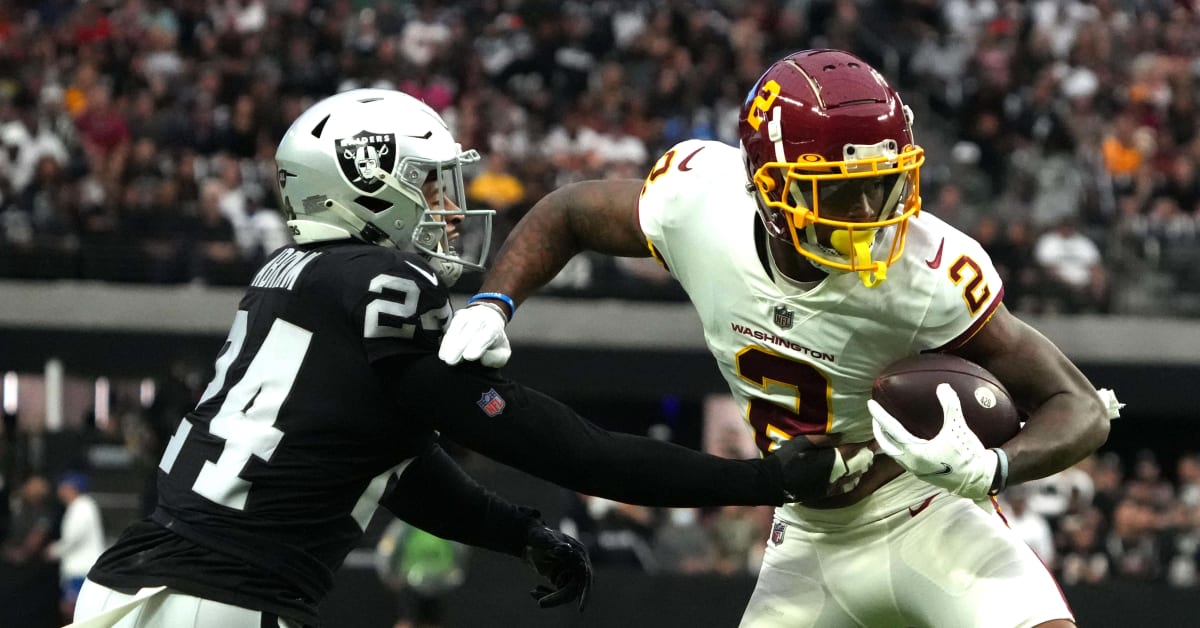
[
  {"x": 104, "y": 133},
  {"x": 1108, "y": 478},
  {"x": 1183, "y": 543},
  {"x": 215, "y": 258},
  {"x": 1031, "y": 526},
  {"x": 577, "y": 520},
  {"x": 683, "y": 544},
  {"x": 1182, "y": 182},
  {"x": 495, "y": 186},
  {"x": 1124, "y": 152},
  {"x": 25, "y": 148},
  {"x": 1146, "y": 483},
  {"x": 1082, "y": 558},
  {"x": 267, "y": 230},
  {"x": 160, "y": 231},
  {"x": 952, "y": 207},
  {"x": 1134, "y": 546},
  {"x": 1066, "y": 492},
  {"x": 739, "y": 532},
  {"x": 422, "y": 569},
  {"x": 1075, "y": 280},
  {"x": 1187, "y": 473},
  {"x": 1010, "y": 245},
  {"x": 35, "y": 522},
  {"x": 424, "y": 36},
  {"x": 82, "y": 539},
  {"x": 624, "y": 534}
]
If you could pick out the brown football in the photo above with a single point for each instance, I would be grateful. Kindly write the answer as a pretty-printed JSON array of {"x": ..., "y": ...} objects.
[{"x": 907, "y": 389}]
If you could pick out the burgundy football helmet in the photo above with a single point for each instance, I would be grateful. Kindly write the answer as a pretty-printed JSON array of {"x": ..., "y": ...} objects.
[{"x": 821, "y": 131}]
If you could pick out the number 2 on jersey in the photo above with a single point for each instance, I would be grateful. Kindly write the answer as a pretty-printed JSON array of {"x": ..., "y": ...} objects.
[
  {"x": 773, "y": 423},
  {"x": 976, "y": 290}
]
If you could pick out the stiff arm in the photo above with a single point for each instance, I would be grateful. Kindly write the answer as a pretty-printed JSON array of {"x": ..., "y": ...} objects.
[{"x": 599, "y": 216}]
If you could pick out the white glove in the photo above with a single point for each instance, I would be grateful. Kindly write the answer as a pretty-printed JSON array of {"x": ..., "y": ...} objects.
[
  {"x": 476, "y": 333},
  {"x": 954, "y": 459}
]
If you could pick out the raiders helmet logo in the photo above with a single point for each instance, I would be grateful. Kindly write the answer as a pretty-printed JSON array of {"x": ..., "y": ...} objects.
[{"x": 363, "y": 156}]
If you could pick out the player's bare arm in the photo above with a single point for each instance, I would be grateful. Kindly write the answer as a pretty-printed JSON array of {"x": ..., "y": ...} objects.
[
  {"x": 1066, "y": 419},
  {"x": 587, "y": 216}
]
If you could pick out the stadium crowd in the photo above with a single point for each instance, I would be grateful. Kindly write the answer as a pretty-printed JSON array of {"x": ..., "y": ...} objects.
[{"x": 138, "y": 135}]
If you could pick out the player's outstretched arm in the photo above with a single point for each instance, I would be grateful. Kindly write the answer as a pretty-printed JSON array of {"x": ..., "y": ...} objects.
[
  {"x": 586, "y": 216},
  {"x": 590, "y": 215},
  {"x": 1067, "y": 420},
  {"x": 528, "y": 430},
  {"x": 434, "y": 494}
]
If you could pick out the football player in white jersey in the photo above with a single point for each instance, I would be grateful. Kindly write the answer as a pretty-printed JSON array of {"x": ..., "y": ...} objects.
[{"x": 812, "y": 267}]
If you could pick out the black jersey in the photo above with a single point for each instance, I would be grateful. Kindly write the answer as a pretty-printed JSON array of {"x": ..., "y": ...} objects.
[{"x": 268, "y": 484}]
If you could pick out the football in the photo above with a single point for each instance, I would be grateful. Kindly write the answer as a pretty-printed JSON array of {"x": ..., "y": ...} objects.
[{"x": 907, "y": 390}]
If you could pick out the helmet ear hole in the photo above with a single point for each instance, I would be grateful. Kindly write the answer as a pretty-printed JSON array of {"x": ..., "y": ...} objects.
[{"x": 374, "y": 204}]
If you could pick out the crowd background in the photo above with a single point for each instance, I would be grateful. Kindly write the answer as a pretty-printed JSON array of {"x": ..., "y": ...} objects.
[
  {"x": 137, "y": 135},
  {"x": 137, "y": 141}
]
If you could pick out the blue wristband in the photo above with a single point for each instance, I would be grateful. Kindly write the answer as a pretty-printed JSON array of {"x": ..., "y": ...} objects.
[{"x": 512, "y": 307}]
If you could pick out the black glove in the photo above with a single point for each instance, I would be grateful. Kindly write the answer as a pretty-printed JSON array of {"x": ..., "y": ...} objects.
[
  {"x": 563, "y": 561},
  {"x": 802, "y": 469},
  {"x": 805, "y": 471}
]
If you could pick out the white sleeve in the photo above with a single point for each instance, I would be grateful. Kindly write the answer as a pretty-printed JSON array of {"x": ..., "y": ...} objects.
[
  {"x": 663, "y": 199},
  {"x": 965, "y": 293}
]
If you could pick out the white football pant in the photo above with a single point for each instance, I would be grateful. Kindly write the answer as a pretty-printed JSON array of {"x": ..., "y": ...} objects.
[{"x": 909, "y": 555}]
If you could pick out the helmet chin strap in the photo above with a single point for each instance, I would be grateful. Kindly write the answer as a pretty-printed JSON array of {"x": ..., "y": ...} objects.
[{"x": 362, "y": 228}]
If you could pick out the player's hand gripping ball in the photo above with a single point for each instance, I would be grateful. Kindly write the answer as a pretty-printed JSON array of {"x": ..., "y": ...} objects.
[{"x": 907, "y": 389}]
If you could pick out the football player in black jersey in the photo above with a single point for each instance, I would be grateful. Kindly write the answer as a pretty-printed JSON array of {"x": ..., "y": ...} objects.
[{"x": 328, "y": 398}]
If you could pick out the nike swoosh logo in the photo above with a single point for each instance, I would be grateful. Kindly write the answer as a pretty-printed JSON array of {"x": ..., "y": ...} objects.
[
  {"x": 424, "y": 273},
  {"x": 925, "y": 504},
  {"x": 945, "y": 470},
  {"x": 683, "y": 165},
  {"x": 937, "y": 257}
]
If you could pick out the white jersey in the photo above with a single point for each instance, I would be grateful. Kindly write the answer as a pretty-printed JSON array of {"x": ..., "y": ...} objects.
[{"x": 802, "y": 361}]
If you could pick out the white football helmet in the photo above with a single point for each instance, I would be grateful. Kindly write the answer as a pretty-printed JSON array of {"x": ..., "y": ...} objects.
[{"x": 357, "y": 165}]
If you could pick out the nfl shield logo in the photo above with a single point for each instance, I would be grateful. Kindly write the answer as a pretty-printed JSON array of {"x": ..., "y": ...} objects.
[
  {"x": 777, "y": 530},
  {"x": 364, "y": 155},
  {"x": 783, "y": 317},
  {"x": 491, "y": 403}
]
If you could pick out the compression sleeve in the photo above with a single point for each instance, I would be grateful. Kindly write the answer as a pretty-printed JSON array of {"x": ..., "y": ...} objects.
[
  {"x": 523, "y": 428},
  {"x": 434, "y": 494}
]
